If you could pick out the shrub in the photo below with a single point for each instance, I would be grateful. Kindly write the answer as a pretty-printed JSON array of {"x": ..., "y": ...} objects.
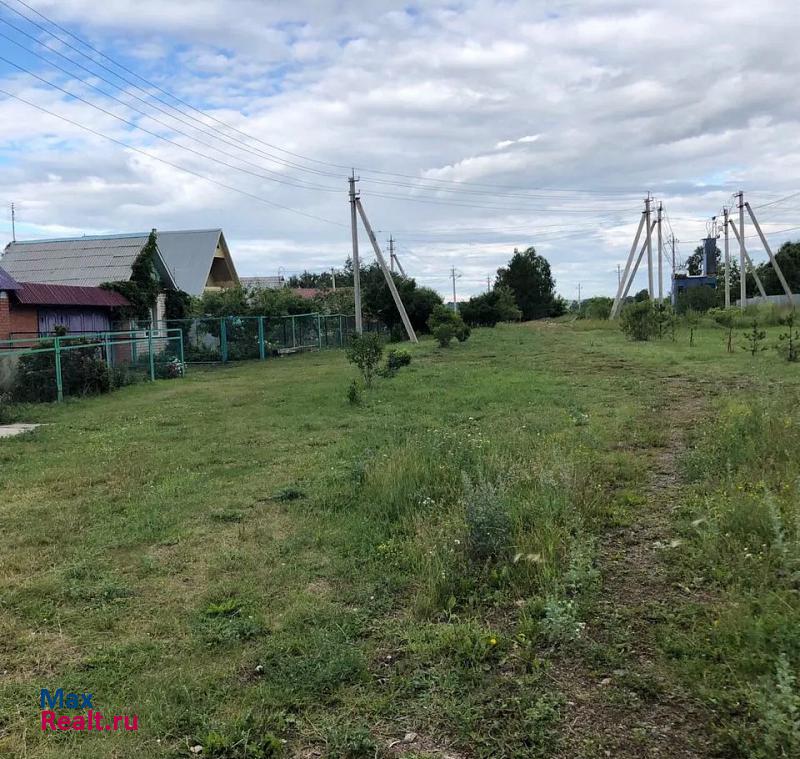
[
  {"x": 6, "y": 414},
  {"x": 365, "y": 352},
  {"x": 83, "y": 372},
  {"x": 443, "y": 316},
  {"x": 490, "y": 308},
  {"x": 444, "y": 333},
  {"x": 696, "y": 299},
  {"x": 395, "y": 359},
  {"x": 754, "y": 339},
  {"x": 638, "y": 320},
  {"x": 354, "y": 393},
  {"x": 662, "y": 318}
]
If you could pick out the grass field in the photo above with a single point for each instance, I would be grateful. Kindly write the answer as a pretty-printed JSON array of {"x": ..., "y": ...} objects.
[{"x": 547, "y": 541}]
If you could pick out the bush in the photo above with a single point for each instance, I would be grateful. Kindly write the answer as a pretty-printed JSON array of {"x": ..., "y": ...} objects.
[
  {"x": 444, "y": 333},
  {"x": 365, "y": 352},
  {"x": 445, "y": 317},
  {"x": 395, "y": 360},
  {"x": 490, "y": 308},
  {"x": 83, "y": 372},
  {"x": 6, "y": 414},
  {"x": 700, "y": 299},
  {"x": 638, "y": 320},
  {"x": 596, "y": 308},
  {"x": 354, "y": 393},
  {"x": 488, "y": 523}
]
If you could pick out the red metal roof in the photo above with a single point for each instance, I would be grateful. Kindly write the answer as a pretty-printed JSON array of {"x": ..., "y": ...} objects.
[
  {"x": 36, "y": 294},
  {"x": 309, "y": 293}
]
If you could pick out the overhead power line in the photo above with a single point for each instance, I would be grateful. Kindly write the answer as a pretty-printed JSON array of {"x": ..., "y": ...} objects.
[{"x": 169, "y": 163}]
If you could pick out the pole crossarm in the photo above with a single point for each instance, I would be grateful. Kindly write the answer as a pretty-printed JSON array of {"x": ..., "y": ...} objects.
[
  {"x": 386, "y": 273},
  {"x": 772, "y": 258}
]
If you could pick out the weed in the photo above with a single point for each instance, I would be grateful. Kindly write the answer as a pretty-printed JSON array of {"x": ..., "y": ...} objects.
[
  {"x": 289, "y": 494},
  {"x": 780, "y": 713},
  {"x": 354, "y": 393},
  {"x": 488, "y": 522},
  {"x": 560, "y": 621},
  {"x": 350, "y": 742}
]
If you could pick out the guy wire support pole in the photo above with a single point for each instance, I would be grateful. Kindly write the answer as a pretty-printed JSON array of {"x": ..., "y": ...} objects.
[
  {"x": 649, "y": 247},
  {"x": 749, "y": 263},
  {"x": 660, "y": 255},
  {"x": 742, "y": 254},
  {"x": 638, "y": 263},
  {"x": 618, "y": 300},
  {"x": 773, "y": 260},
  {"x": 356, "y": 264},
  {"x": 727, "y": 261},
  {"x": 387, "y": 274}
]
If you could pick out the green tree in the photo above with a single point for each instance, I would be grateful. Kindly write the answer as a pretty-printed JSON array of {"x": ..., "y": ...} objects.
[
  {"x": 529, "y": 278},
  {"x": 788, "y": 258},
  {"x": 488, "y": 309}
]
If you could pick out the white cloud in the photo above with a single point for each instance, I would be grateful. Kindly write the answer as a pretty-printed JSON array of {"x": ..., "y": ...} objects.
[{"x": 688, "y": 100}]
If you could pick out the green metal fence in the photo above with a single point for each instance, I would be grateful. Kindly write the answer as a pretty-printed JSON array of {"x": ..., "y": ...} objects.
[
  {"x": 238, "y": 338},
  {"x": 52, "y": 368}
]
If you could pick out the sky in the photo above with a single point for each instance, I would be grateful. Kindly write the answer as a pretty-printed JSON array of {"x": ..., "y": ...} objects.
[{"x": 474, "y": 127}]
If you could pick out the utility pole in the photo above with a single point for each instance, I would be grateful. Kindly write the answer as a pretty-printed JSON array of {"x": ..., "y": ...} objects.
[
  {"x": 772, "y": 259},
  {"x": 398, "y": 302},
  {"x": 742, "y": 254},
  {"x": 333, "y": 278},
  {"x": 488, "y": 283},
  {"x": 391, "y": 254},
  {"x": 618, "y": 300},
  {"x": 453, "y": 275},
  {"x": 727, "y": 261},
  {"x": 356, "y": 264},
  {"x": 13, "y": 223},
  {"x": 660, "y": 255},
  {"x": 674, "y": 269},
  {"x": 619, "y": 276},
  {"x": 579, "y": 296},
  {"x": 649, "y": 246}
]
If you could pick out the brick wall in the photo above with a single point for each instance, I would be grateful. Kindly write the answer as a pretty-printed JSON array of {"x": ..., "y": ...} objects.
[
  {"x": 25, "y": 321},
  {"x": 5, "y": 317}
]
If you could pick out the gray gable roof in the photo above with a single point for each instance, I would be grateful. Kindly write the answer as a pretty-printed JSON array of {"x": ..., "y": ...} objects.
[
  {"x": 7, "y": 282},
  {"x": 189, "y": 255},
  {"x": 84, "y": 261}
]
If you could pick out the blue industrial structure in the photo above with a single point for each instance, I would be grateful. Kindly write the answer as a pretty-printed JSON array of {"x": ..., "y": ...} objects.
[{"x": 682, "y": 282}]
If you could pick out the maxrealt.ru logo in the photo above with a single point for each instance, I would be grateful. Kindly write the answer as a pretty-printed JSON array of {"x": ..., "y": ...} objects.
[{"x": 89, "y": 720}]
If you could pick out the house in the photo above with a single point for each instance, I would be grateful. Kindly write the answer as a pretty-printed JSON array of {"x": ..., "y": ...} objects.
[
  {"x": 194, "y": 261},
  {"x": 307, "y": 293},
  {"x": 32, "y": 309}
]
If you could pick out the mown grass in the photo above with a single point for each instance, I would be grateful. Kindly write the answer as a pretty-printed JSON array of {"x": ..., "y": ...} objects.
[{"x": 253, "y": 565}]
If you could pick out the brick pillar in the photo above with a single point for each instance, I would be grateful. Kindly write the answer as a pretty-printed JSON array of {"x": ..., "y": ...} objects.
[{"x": 5, "y": 316}]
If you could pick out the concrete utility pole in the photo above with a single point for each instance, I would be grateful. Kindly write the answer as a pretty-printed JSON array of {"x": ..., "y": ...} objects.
[
  {"x": 619, "y": 276},
  {"x": 387, "y": 274},
  {"x": 636, "y": 267},
  {"x": 333, "y": 278},
  {"x": 13, "y": 223},
  {"x": 742, "y": 254},
  {"x": 488, "y": 283},
  {"x": 618, "y": 300},
  {"x": 579, "y": 295},
  {"x": 356, "y": 264},
  {"x": 453, "y": 275},
  {"x": 773, "y": 260},
  {"x": 660, "y": 255},
  {"x": 749, "y": 262},
  {"x": 649, "y": 246},
  {"x": 391, "y": 253},
  {"x": 727, "y": 261}
]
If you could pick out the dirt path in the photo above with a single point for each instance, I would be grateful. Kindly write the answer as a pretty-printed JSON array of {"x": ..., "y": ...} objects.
[{"x": 620, "y": 700}]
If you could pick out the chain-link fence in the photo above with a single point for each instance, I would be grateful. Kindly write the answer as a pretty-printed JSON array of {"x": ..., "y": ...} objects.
[
  {"x": 52, "y": 368},
  {"x": 236, "y": 338}
]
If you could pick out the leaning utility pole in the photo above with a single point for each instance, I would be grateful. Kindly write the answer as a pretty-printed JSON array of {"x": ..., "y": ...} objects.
[
  {"x": 618, "y": 300},
  {"x": 660, "y": 255},
  {"x": 453, "y": 275},
  {"x": 356, "y": 264},
  {"x": 773, "y": 260},
  {"x": 742, "y": 254},
  {"x": 749, "y": 262},
  {"x": 386, "y": 273},
  {"x": 727, "y": 261}
]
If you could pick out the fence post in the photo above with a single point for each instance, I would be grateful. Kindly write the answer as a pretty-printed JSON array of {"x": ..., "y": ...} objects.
[
  {"x": 319, "y": 332},
  {"x": 223, "y": 339},
  {"x": 150, "y": 354},
  {"x": 261, "y": 351},
  {"x": 183, "y": 357},
  {"x": 59, "y": 381},
  {"x": 108, "y": 350},
  {"x": 341, "y": 332},
  {"x": 294, "y": 337}
]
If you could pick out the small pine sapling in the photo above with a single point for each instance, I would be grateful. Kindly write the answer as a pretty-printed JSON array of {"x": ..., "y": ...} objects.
[
  {"x": 727, "y": 321},
  {"x": 754, "y": 339},
  {"x": 693, "y": 320},
  {"x": 789, "y": 345}
]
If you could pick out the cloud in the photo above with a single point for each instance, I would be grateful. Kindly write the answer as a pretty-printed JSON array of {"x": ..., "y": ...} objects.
[{"x": 564, "y": 116}]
